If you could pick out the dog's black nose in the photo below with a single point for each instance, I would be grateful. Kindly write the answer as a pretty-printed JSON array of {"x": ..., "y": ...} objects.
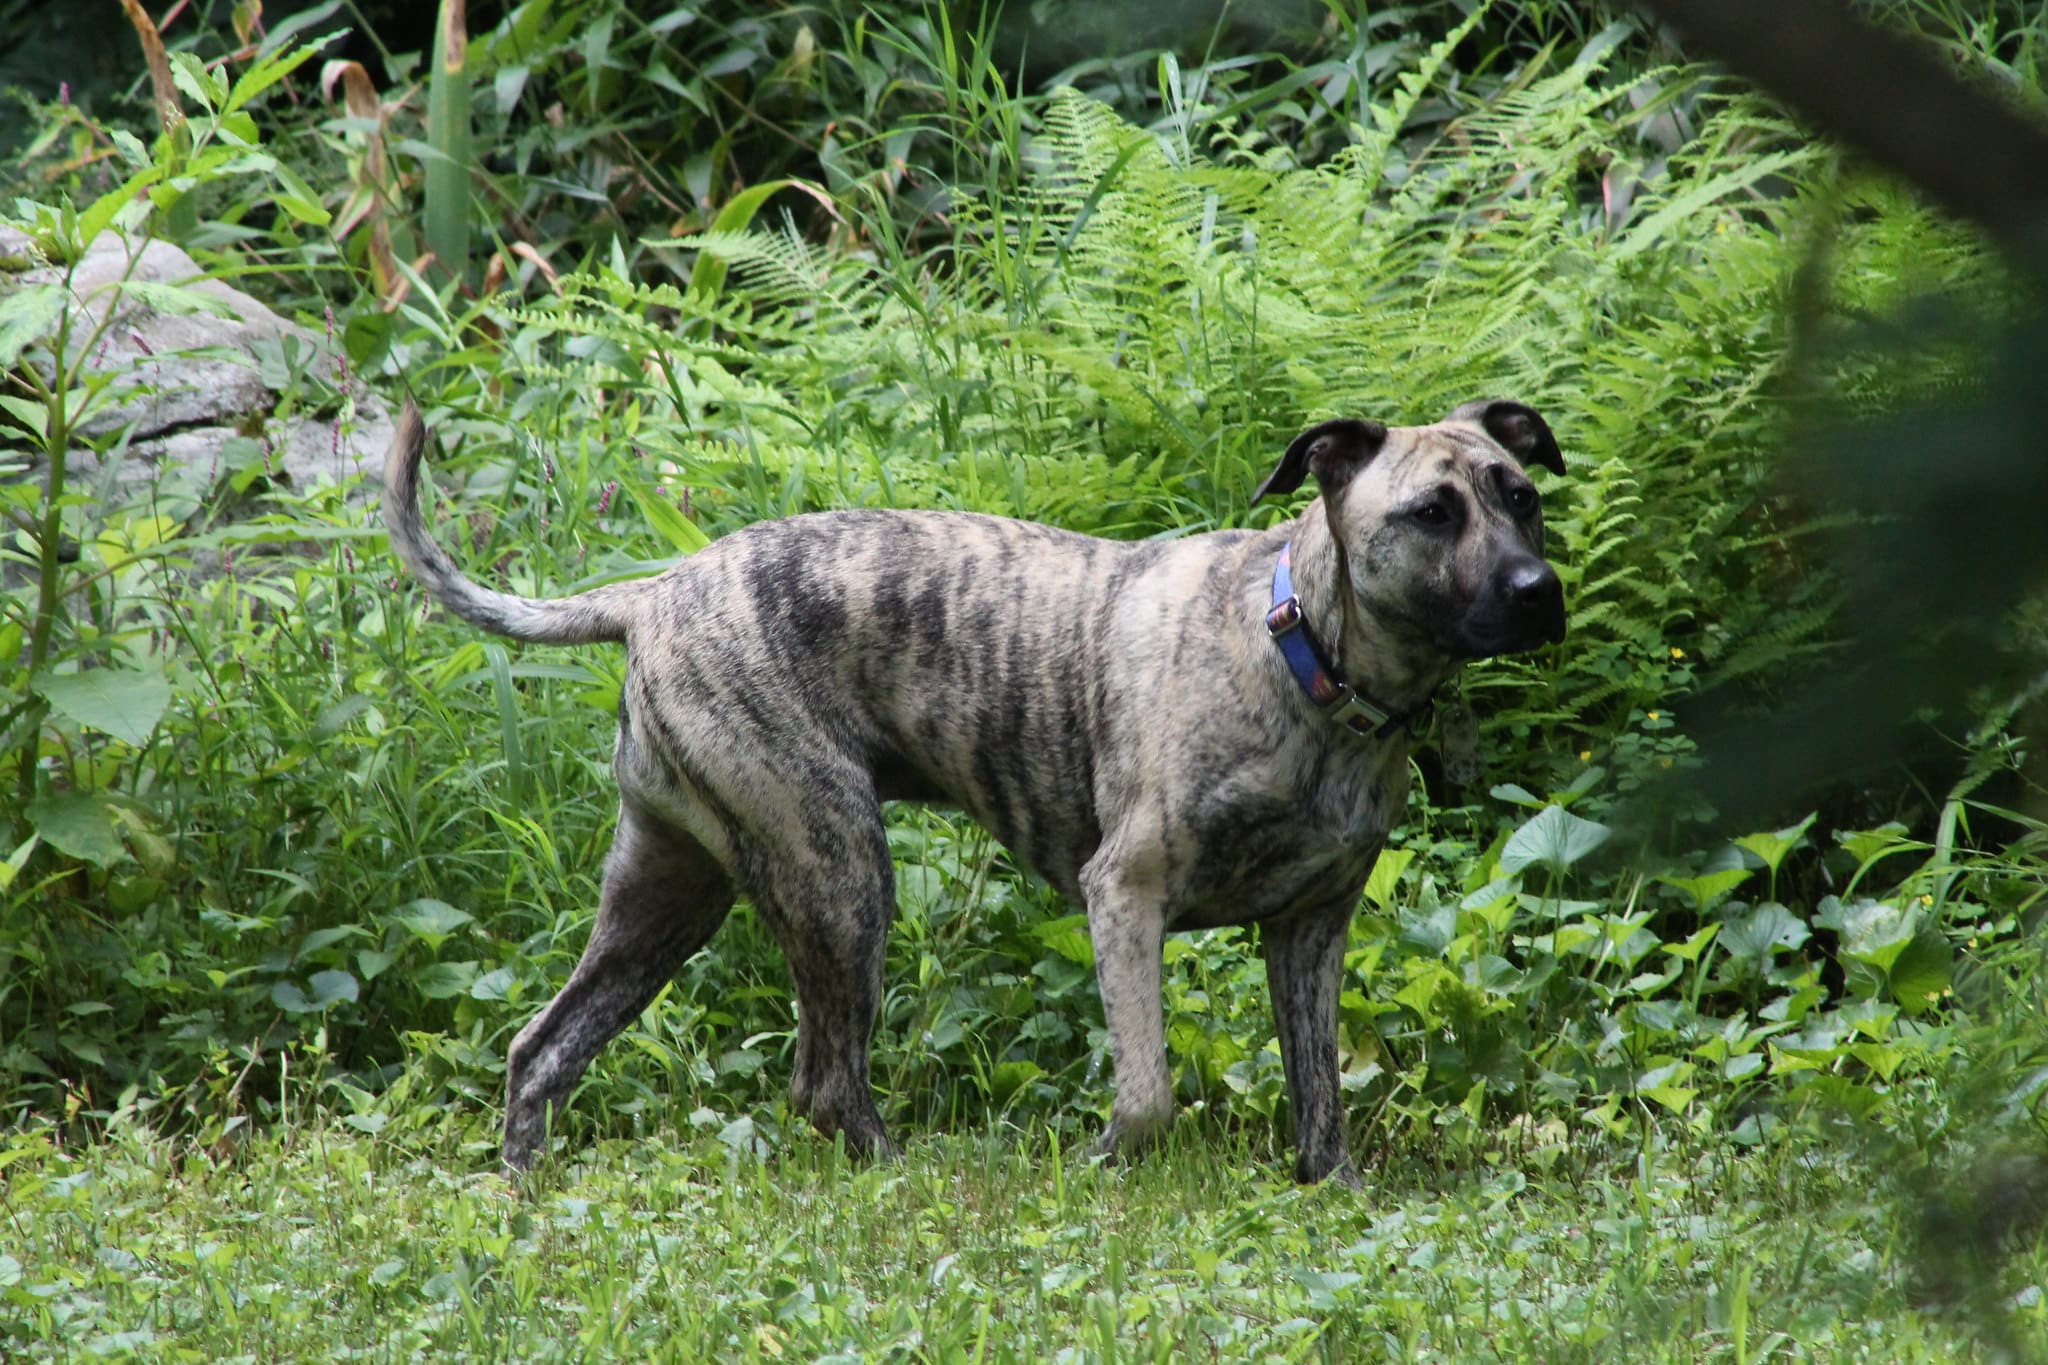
[
  {"x": 1533, "y": 585},
  {"x": 1535, "y": 597}
]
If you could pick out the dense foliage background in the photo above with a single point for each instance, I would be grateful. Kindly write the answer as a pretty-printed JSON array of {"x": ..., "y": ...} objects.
[{"x": 284, "y": 844}]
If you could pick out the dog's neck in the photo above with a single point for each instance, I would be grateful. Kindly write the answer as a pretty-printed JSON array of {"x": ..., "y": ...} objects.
[{"x": 1390, "y": 663}]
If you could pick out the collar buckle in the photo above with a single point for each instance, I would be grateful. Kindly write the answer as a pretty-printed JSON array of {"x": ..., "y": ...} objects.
[{"x": 1284, "y": 616}]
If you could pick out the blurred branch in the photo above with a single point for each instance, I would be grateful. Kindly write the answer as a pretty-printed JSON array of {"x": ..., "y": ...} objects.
[
  {"x": 1944, "y": 534},
  {"x": 1891, "y": 97},
  {"x": 165, "y": 92}
]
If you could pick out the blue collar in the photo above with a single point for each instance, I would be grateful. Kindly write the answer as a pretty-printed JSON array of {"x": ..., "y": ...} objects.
[{"x": 1318, "y": 679}]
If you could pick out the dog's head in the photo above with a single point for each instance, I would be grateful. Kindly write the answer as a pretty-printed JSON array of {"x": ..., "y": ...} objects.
[{"x": 1439, "y": 527}]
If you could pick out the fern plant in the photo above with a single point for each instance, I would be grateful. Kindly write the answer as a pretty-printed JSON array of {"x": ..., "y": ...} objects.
[{"x": 1121, "y": 339}]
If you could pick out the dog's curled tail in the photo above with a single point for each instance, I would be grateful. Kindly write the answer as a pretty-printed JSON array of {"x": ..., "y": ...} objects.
[{"x": 600, "y": 614}]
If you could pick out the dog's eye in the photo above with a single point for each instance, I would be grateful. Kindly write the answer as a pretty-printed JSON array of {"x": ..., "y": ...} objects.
[
  {"x": 1522, "y": 500},
  {"x": 1433, "y": 514}
]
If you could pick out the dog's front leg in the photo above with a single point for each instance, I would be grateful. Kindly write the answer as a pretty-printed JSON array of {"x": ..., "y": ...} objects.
[
  {"x": 1127, "y": 921},
  {"x": 1304, "y": 970}
]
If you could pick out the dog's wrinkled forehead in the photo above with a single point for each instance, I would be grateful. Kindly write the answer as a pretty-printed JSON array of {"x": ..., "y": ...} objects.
[
  {"x": 1440, "y": 447},
  {"x": 1456, "y": 451}
]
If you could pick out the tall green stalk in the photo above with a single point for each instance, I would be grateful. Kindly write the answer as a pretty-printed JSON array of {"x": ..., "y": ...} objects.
[
  {"x": 49, "y": 547},
  {"x": 447, "y": 179}
]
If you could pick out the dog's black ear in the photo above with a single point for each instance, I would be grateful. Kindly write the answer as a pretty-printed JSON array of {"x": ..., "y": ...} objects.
[
  {"x": 1333, "y": 452},
  {"x": 1517, "y": 427}
]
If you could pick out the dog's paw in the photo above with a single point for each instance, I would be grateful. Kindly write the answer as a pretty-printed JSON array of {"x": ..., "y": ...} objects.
[
  {"x": 1128, "y": 1138},
  {"x": 1342, "y": 1175}
]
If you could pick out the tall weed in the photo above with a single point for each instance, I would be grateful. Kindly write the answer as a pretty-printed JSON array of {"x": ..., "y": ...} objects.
[{"x": 377, "y": 834}]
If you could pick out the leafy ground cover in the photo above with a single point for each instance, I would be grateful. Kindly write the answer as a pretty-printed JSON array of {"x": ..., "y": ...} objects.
[
  {"x": 320, "y": 1243},
  {"x": 291, "y": 859}
]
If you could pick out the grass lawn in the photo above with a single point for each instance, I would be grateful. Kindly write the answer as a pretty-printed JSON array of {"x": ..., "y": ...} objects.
[{"x": 324, "y": 1243}]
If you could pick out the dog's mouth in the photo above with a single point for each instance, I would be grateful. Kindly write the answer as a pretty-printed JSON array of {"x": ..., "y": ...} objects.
[
  {"x": 1521, "y": 609},
  {"x": 1486, "y": 634}
]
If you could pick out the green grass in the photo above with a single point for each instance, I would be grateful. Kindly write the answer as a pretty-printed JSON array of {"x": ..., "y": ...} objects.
[
  {"x": 321, "y": 1243},
  {"x": 292, "y": 859}
]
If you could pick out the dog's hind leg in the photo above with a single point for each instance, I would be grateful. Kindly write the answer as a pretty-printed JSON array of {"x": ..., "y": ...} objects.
[
  {"x": 829, "y": 903},
  {"x": 663, "y": 897}
]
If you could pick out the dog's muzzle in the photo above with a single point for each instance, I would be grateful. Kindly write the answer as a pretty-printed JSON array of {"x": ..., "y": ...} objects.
[{"x": 1522, "y": 608}]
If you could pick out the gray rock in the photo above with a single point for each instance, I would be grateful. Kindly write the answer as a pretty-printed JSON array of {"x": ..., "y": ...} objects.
[{"x": 190, "y": 384}]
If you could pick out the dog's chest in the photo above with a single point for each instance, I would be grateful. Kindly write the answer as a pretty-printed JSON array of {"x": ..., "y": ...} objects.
[{"x": 1301, "y": 837}]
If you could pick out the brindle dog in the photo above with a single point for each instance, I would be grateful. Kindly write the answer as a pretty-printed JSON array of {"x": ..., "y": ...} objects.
[{"x": 1164, "y": 730}]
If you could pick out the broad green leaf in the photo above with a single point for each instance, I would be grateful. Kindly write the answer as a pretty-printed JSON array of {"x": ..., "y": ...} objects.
[
  {"x": 1430, "y": 931},
  {"x": 1856, "y": 1099},
  {"x": 1493, "y": 904},
  {"x": 27, "y": 315},
  {"x": 123, "y": 702},
  {"x": 1067, "y": 936},
  {"x": 440, "y": 980},
  {"x": 299, "y": 199},
  {"x": 1650, "y": 983},
  {"x": 431, "y": 921},
  {"x": 1871, "y": 1018},
  {"x": 741, "y": 1061},
  {"x": 1757, "y": 1129},
  {"x": 1010, "y": 1077},
  {"x": 1690, "y": 950},
  {"x": 11, "y": 866},
  {"x": 190, "y": 75},
  {"x": 1676, "y": 1098},
  {"x": 330, "y": 986},
  {"x": 1386, "y": 875},
  {"x": 498, "y": 984},
  {"x": 677, "y": 529},
  {"x": 1324, "y": 1286},
  {"x": 510, "y": 81},
  {"x": 1867, "y": 845},
  {"x": 324, "y": 989},
  {"x": 1419, "y": 995},
  {"x": 1875, "y": 934},
  {"x": 1569, "y": 938},
  {"x": 31, "y": 414},
  {"x": 1762, "y": 931},
  {"x": 1773, "y": 846},
  {"x": 77, "y": 823},
  {"x": 739, "y": 1135},
  {"x": 1921, "y": 972},
  {"x": 1493, "y": 974},
  {"x": 1554, "y": 838},
  {"x": 1883, "y": 1058},
  {"x": 324, "y": 938},
  {"x": 1707, "y": 890}
]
